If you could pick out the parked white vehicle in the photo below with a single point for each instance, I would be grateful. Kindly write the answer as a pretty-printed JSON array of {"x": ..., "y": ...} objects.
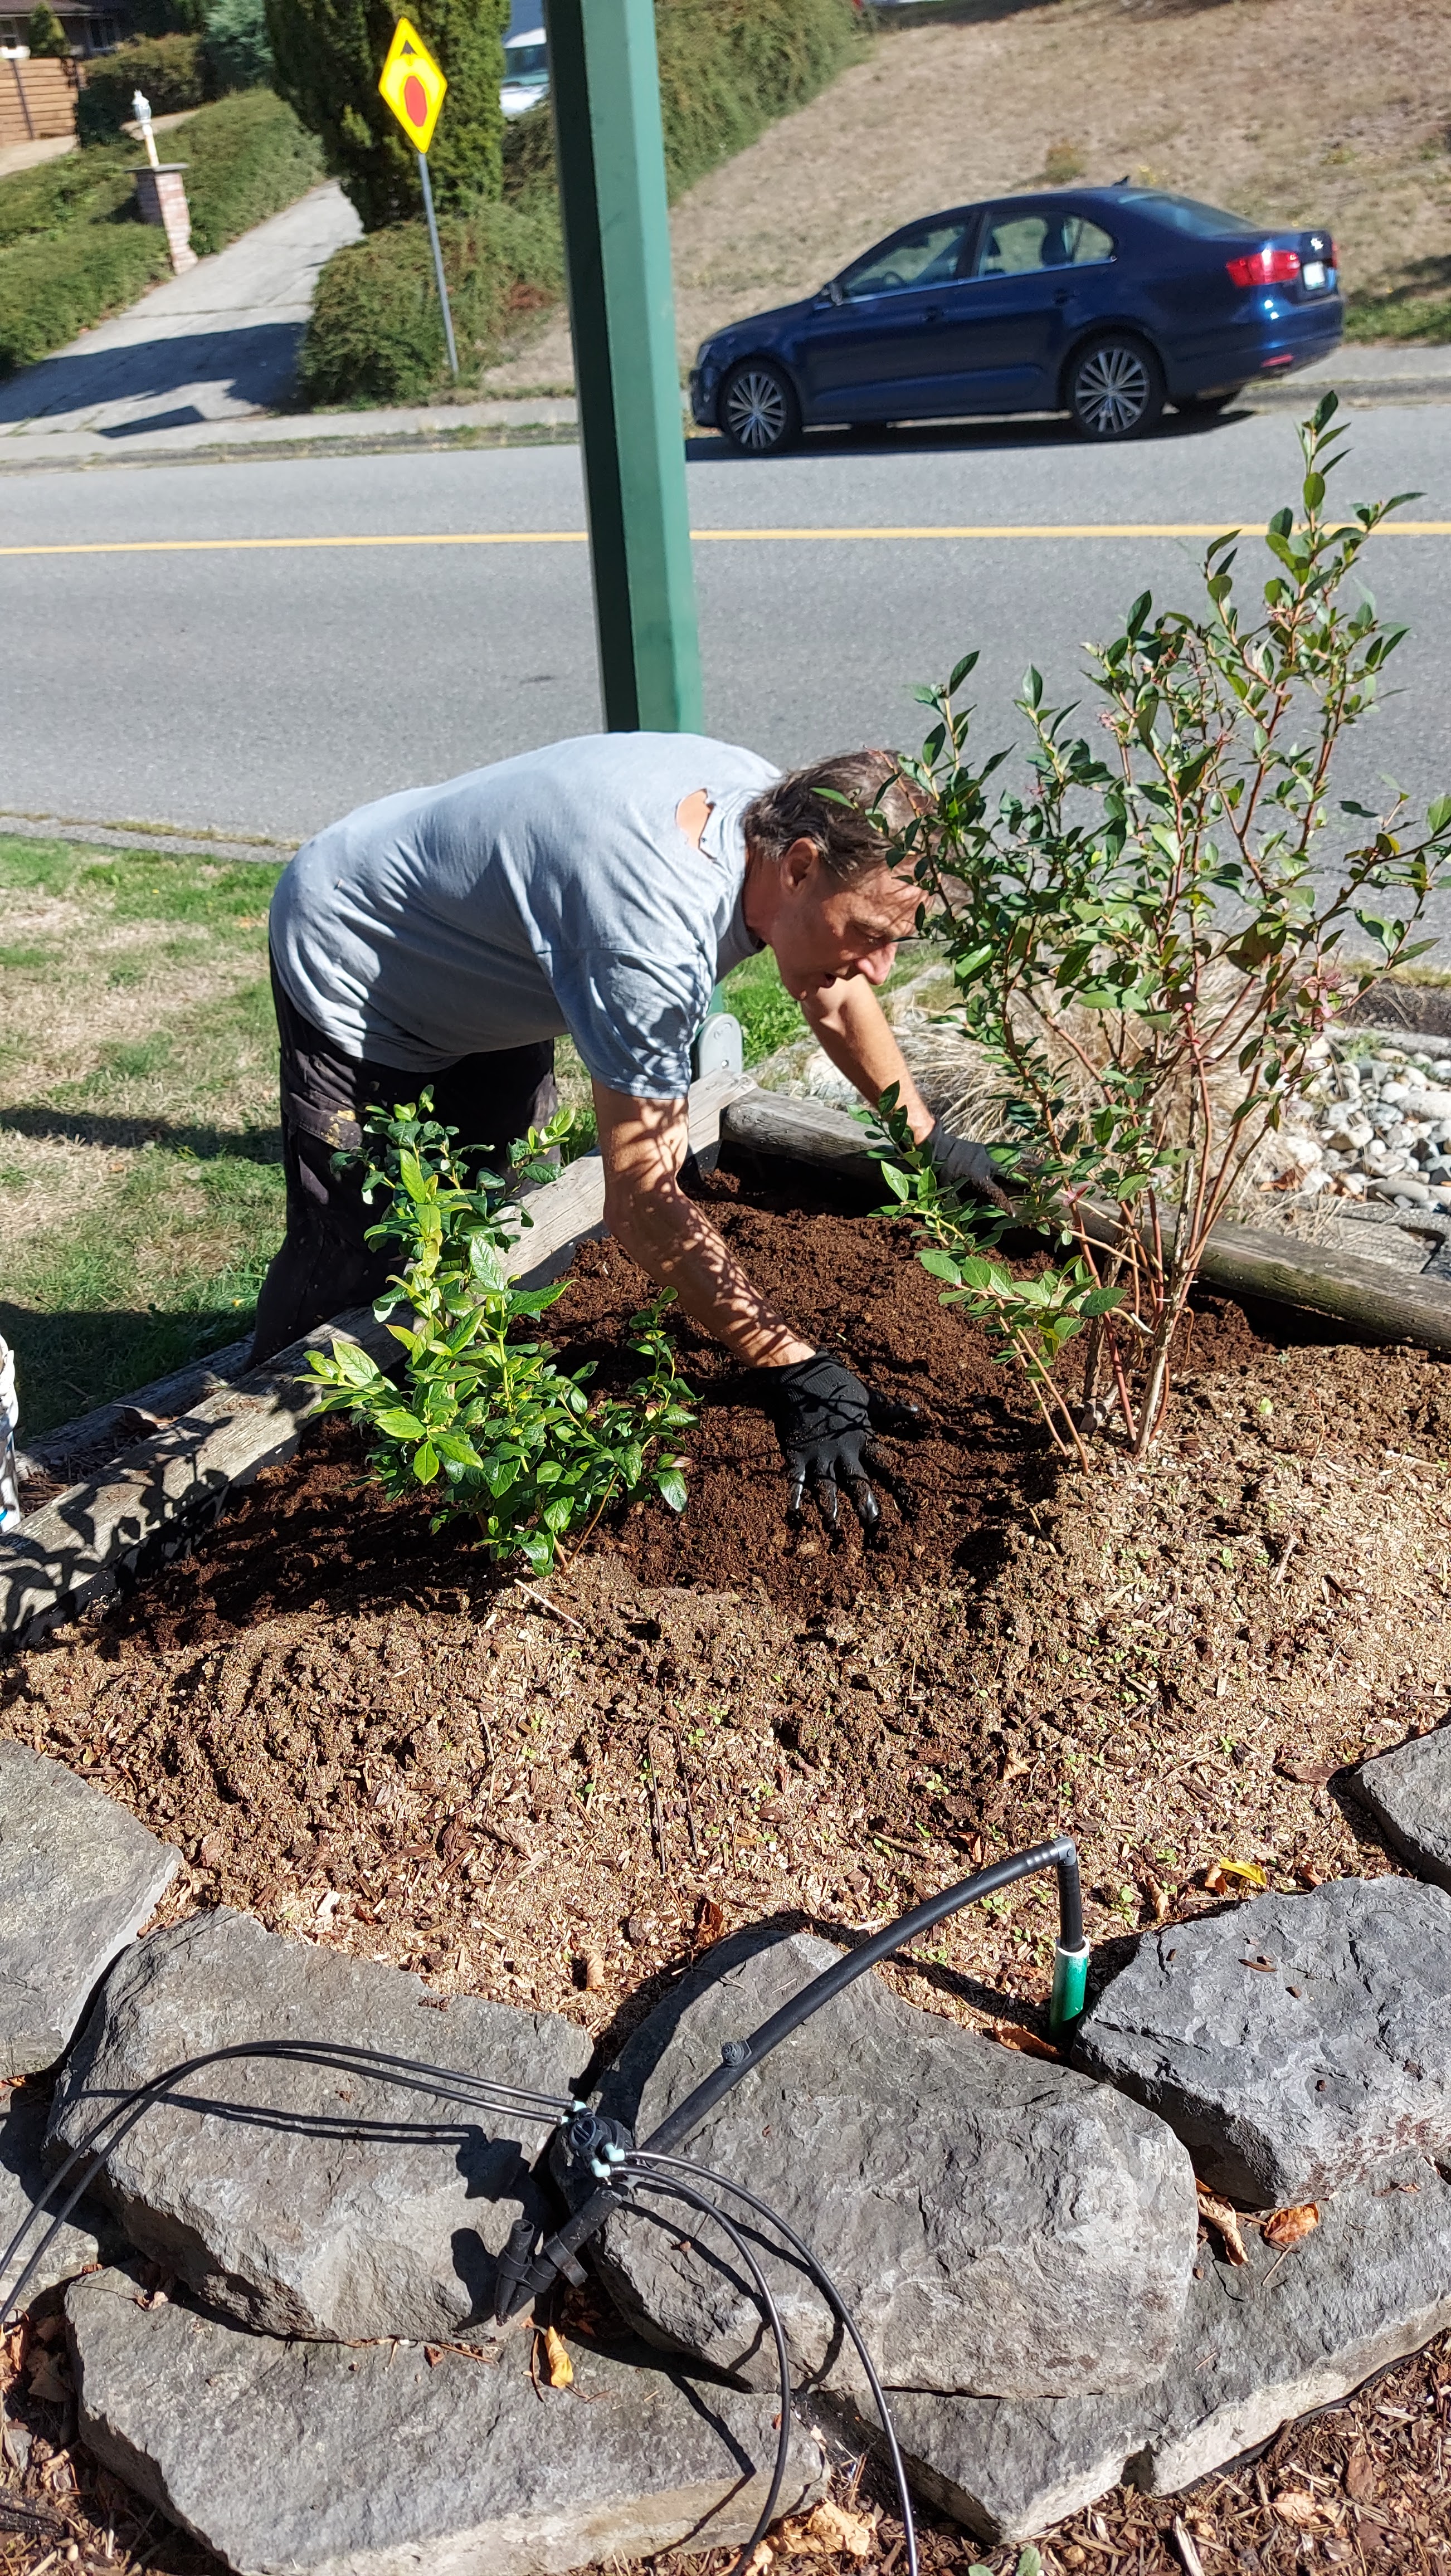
[{"x": 526, "y": 72}]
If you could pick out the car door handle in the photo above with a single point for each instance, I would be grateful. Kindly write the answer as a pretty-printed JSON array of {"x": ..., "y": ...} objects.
[
  {"x": 1062, "y": 295},
  {"x": 934, "y": 313}
]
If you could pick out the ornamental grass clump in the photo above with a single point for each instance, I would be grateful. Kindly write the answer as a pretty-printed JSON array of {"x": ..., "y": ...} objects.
[
  {"x": 484, "y": 1417},
  {"x": 1149, "y": 944}
]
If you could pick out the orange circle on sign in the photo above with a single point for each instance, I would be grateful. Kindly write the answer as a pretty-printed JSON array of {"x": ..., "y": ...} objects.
[{"x": 415, "y": 100}]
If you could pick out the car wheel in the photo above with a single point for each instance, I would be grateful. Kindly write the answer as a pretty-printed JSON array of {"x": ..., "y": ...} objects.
[
  {"x": 759, "y": 412},
  {"x": 1116, "y": 388}
]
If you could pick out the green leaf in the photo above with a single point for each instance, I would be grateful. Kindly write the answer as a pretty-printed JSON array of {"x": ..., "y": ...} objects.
[
  {"x": 941, "y": 1265},
  {"x": 898, "y": 1181},
  {"x": 1439, "y": 814},
  {"x": 485, "y": 1264},
  {"x": 1101, "y": 1301},
  {"x": 670, "y": 1486},
  {"x": 399, "y": 1424},
  {"x": 425, "y": 1463}
]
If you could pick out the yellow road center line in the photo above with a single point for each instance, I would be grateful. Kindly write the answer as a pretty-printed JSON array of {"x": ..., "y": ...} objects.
[{"x": 703, "y": 536}]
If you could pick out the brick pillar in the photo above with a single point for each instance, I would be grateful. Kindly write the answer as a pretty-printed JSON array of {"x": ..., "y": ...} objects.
[{"x": 161, "y": 197}]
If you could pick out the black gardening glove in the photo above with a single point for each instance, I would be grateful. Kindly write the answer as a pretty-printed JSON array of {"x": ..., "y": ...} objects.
[
  {"x": 824, "y": 1420},
  {"x": 968, "y": 1165}
]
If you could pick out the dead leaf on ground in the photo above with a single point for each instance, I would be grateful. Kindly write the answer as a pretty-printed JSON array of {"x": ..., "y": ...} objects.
[
  {"x": 49, "y": 2379},
  {"x": 830, "y": 2531},
  {"x": 594, "y": 1974},
  {"x": 1299, "y": 2510},
  {"x": 1216, "y": 2213},
  {"x": 561, "y": 2368},
  {"x": 1011, "y": 2034},
  {"x": 1222, "y": 1870},
  {"x": 1359, "y": 2476},
  {"x": 1312, "y": 1770},
  {"x": 709, "y": 1922},
  {"x": 1287, "y": 2226}
]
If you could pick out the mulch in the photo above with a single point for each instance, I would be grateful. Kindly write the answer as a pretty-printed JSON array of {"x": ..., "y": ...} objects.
[{"x": 558, "y": 1795}]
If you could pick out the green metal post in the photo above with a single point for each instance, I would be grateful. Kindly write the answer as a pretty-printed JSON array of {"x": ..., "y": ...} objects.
[{"x": 605, "y": 86}]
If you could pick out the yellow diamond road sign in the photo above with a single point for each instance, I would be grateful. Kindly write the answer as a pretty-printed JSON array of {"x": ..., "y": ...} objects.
[{"x": 413, "y": 85}]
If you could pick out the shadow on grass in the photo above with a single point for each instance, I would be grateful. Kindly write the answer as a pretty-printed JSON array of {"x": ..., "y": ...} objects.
[
  {"x": 65, "y": 1363},
  {"x": 94, "y": 1127}
]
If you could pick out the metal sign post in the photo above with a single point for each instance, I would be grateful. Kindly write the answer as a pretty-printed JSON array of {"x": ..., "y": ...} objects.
[
  {"x": 412, "y": 84},
  {"x": 438, "y": 264},
  {"x": 605, "y": 87}
]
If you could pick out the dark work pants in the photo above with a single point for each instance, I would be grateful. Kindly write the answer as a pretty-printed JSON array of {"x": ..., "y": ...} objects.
[{"x": 323, "y": 1265}]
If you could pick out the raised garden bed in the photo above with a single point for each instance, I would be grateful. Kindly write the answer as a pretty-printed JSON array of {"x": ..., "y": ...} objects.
[{"x": 356, "y": 1733}]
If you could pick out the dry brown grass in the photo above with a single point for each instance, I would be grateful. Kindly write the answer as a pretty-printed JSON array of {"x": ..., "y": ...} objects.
[{"x": 1334, "y": 111}]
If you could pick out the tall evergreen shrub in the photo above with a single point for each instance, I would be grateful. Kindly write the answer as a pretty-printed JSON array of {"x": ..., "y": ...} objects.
[
  {"x": 45, "y": 35},
  {"x": 328, "y": 55}
]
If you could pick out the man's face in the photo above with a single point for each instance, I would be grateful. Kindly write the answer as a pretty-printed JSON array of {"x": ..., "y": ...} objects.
[{"x": 823, "y": 930}]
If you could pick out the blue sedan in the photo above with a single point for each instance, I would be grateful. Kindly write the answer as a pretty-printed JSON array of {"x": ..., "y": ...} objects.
[{"x": 1106, "y": 303}]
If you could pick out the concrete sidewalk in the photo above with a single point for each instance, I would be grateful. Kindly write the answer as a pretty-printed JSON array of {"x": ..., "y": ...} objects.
[{"x": 212, "y": 349}]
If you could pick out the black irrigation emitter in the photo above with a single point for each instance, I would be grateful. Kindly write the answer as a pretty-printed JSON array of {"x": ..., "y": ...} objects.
[{"x": 604, "y": 2153}]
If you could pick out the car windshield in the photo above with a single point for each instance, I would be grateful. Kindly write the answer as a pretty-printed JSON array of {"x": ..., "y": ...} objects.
[
  {"x": 526, "y": 62},
  {"x": 1187, "y": 215},
  {"x": 926, "y": 256}
]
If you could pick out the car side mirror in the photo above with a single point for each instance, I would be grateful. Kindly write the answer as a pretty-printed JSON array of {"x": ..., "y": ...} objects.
[{"x": 829, "y": 294}]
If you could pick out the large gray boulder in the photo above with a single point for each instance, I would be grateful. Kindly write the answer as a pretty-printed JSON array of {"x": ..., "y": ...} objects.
[
  {"x": 995, "y": 2222},
  {"x": 1408, "y": 1791},
  {"x": 1258, "y": 2348},
  {"x": 78, "y": 1878},
  {"x": 1295, "y": 2043},
  {"x": 316, "y": 2460},
  {"x": 305, "y": 2199}
]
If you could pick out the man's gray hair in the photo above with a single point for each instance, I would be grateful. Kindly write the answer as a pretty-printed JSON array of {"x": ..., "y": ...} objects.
[{"x": 848, "y": 806}]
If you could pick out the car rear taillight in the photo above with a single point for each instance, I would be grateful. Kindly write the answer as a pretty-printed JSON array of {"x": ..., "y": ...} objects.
[{"x": 1265, "y": 268}]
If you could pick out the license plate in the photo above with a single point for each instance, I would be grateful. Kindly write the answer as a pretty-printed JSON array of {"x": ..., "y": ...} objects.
[{"x": 1313, "y": 274}]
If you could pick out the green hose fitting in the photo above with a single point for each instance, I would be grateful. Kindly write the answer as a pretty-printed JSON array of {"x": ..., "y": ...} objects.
[{"x": 1070, "y": 1990}]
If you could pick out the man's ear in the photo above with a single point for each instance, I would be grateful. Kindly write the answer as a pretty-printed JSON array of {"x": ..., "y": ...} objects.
[{"x": 796, "y": 864}]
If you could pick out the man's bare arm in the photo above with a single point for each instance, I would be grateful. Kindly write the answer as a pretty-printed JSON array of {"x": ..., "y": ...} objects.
[
  {"x": 643, "y": 1144},
  {"x": 850, "y": 1026}
]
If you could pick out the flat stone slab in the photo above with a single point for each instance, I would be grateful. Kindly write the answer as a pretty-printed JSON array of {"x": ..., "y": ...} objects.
[
  {"x": 78, "y": 1878},
  {"x": 1408, "y": 1791},
  {"x": 1296, "y": 2043},
  {"x": 319, "y": 2460},
  {"x": 996, "y": 2222},
  {"x": 1259, "y": 2347},
  {"x": 299, "y": 2197},
  {"x": 90, "y": 2236}
]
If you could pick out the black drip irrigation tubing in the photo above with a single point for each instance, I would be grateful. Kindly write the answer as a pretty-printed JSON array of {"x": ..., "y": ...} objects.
[{"x": 605, "y": 2152}]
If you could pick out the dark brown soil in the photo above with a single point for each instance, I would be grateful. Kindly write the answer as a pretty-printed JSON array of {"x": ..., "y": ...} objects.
[{"x": 556, "y": 1796}]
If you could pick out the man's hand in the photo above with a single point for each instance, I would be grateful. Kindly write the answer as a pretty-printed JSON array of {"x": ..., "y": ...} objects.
[
  {"x": 968, "y": 1165},
  {"x": 824, "y": 1418}
]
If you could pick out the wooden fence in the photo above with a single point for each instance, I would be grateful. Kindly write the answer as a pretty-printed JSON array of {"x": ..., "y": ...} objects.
[{"x": 37, "y": 100}]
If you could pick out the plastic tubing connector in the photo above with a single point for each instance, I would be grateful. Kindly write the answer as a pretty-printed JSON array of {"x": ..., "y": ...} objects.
[{"x": 1070, "y": 1989}]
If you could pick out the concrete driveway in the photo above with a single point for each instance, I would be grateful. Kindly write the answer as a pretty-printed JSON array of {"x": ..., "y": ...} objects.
[{"x": 217, "y": 344}]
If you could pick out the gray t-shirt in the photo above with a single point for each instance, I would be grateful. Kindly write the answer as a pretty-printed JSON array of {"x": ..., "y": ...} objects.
[{"x": 548, "y": 893}]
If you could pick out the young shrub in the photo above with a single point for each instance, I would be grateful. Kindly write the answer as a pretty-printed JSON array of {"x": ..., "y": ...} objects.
[
  {"x": 375, "y": 333},
  {"x": 45, "y": 35},
  {"x": 485, "y": 1418},
  {"x": 328, "y": 55},
  {"x": 1149, "y": 944}
]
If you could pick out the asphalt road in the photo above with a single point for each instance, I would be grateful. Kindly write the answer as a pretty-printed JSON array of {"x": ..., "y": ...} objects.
[{"x": 210, "y": 679}]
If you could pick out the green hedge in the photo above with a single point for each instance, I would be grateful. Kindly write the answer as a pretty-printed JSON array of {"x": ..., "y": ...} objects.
[
  {"x": 328, "y": 54},
  {"x": 73, "y": 249},
  {"x": 247, "y": 157},
  {"x": 376, "y": 334},
  {"x": 170, "y": 71},
  {"x": 727, "y": 68}
]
